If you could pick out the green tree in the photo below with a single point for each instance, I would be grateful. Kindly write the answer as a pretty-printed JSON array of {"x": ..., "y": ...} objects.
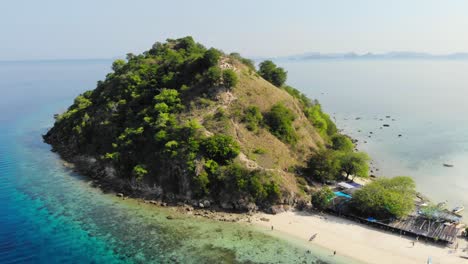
[
  {"x": 355, "y": 164},
  {"x": 211, "y": 166},
  {"x": 256, "y": 185},
  {"x": 280, "y": 120},
  {"x": 322, "y": 198},
  {"x": 220, "y": 148},
  {"x": 272, "y": 73},
  {"x": 211, "y": 57},
  {"x": 253, "y": 118},
  {"x": 342, "y": 143},
  {"x": 201, "y": 182},
  {"x": 213, "y": 75},
  {"x": 320, "y": 120},
  {"x": 118, "y": 65},
  {"x": 323, "y": 166},
  {"x": 139, "y": 171},
  {"x": 273, "y": 191},
  {"x": 230, "y": 78},
  {"x": 170, "y": 98},
  {"x": 386, "y": 197},
  {"x": 185, "y": 43}
]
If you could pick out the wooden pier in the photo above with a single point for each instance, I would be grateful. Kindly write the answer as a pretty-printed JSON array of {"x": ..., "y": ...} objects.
[
  {"x": 420, "y": 226},
  {"x": 441, "y": 230}
]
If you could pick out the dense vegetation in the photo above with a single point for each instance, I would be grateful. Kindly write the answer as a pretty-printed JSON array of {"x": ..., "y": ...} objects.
[
  {"x": 141, "y": 125},
  {"x": 132, "y": 122},
  {"x": 386, "y": 197},
  {"x": 342, "y": 143},
  {"x": 324, "y": 166},
  {"x": 322, "y": 198},
  {"x": 253, "y": 118},
  {"x": 280, "y": 120},
  {"x": 313, "y": 111},
  {"x": 173, "y": 117},
  {"x": 330, "y": 165}
]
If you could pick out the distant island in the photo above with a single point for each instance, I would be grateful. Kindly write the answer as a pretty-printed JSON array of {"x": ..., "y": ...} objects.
[{"x": 394, "y": 55}]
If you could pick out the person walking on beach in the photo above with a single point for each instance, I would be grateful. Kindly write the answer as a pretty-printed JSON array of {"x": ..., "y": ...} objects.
[{"x": 334, "y": 253}]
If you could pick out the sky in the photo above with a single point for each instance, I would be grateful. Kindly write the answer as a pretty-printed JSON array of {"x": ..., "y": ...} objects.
[{"x": 58, "y": 29}]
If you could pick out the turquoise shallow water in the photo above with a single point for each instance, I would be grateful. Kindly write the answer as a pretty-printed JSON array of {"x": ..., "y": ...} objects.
[{"x": 48, "y": 214}]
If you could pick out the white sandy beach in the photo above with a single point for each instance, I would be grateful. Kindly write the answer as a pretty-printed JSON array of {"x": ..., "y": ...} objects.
[{"x": 359, "y": 242}]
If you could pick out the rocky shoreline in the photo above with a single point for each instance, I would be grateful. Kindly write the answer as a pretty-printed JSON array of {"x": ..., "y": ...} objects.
[{"x": 103, "y": 177}]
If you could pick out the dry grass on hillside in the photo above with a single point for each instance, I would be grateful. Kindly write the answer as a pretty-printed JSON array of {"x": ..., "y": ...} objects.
[
  {"x": 224, "y": 113},
  {"x": 255, "y": 91}
]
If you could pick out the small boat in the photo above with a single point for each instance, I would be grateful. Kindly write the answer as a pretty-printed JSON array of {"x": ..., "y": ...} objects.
[
  {"x": 447, "y": 165},
  {"x": 313, "y": 237},
  {"x": 458, "y": 209}
]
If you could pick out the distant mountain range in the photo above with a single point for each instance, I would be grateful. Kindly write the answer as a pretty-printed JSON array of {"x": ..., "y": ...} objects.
[{"x": 375, "y": 56}]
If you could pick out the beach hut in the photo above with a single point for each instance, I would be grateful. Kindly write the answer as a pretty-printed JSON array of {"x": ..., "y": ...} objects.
[
  {"x": 345, "y": 185},
  {"x": 356, "y": 185}
]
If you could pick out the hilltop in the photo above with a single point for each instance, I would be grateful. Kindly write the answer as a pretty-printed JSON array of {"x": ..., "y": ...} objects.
[{"x": 187, "y": 123}]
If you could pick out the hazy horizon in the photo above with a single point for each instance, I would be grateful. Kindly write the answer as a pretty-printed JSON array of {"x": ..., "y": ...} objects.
[
  {"x": 53, "y": 29},
  {"x": 402, "y": 53}
]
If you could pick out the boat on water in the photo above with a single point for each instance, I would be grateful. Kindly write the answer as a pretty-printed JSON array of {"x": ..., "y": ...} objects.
[
  {"x": 447, "y": 165},
  {"x": 313, "y": 237},
  {"x": 458, "y": 209}
]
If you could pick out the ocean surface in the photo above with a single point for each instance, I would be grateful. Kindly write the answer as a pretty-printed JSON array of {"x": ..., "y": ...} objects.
[
  {"x": 48, "y": 214},
  {"x": 425, "y": 104}
]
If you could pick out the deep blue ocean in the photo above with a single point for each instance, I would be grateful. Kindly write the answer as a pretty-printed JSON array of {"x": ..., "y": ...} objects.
[{"x": 48, "y": 214}]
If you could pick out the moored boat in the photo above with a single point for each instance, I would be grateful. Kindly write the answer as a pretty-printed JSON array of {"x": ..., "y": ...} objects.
[{"x": 458, "y": 209}]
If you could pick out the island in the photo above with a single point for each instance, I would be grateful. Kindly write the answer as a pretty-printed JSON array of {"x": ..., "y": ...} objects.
[{"x": 183, "y": 124}]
